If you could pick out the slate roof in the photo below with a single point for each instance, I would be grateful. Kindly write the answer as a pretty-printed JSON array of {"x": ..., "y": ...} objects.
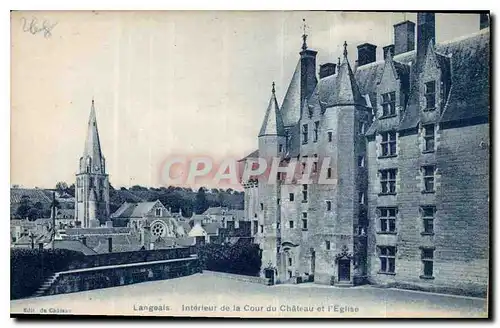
[
  {"x": 254, "y": 154},
  {"x": 273, "y": 122},
  {"x": 97, "y": 231},
  {"x": 185, "y": 241},
  {"x": 73, "y": 245},
  {"x": 135, "y": 210},
  {"x": 290, "y": 108},
  {"x": 212, "y": 228},
  {"x": 464, "y": 60},
  {"x": 92, "y": 147},
  {"x": 35, "y": 195}
]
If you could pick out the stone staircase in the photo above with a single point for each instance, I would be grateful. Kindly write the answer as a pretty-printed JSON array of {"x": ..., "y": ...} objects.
[{"x": 46, "y": 285}]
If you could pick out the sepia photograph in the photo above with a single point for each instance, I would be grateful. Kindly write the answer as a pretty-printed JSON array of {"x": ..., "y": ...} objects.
[{"x": 250, "y": 164}]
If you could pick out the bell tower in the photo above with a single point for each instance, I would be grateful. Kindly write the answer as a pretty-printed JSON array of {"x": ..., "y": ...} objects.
[{"x": 92, "y": 184}]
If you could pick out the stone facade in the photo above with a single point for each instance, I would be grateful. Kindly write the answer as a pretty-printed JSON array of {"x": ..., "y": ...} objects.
[{"x": 405, "y": 141}]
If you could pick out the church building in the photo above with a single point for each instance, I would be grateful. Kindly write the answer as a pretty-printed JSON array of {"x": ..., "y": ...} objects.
[{"x": 92, "y": 184}]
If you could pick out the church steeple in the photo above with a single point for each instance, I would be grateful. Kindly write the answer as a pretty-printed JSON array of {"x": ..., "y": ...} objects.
[
  {"x": 92, "y": 184},
  {"x": 92, "y": 159}
]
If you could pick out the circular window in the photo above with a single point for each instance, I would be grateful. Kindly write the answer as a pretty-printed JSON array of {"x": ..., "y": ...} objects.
[{"x": 158, "y": 229}]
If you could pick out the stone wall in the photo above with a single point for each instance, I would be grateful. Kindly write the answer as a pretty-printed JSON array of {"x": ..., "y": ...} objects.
[
  {"x": 119, "y": 275},
  {"x": 461, "y": 199}
]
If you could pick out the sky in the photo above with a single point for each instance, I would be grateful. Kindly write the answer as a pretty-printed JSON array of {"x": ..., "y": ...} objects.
[{"x": 165, "y": 83}]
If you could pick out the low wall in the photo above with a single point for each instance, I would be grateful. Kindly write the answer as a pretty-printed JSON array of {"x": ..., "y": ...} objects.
[
  {"x": 120, "y": 258},
  {"x": 125, "y": 274},
  {"x": 239, "y": 277}
]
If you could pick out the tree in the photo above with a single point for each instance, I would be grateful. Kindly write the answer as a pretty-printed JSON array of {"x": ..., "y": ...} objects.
[
  {"x": 61, "y": 187},
  {"x": 71, "y": 190},
  {"x": 201, "y": 203},
  {"x": 24, "y": 207}
]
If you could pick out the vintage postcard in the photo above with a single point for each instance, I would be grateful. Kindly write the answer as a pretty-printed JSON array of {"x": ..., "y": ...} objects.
[{"x": 250, "y": 164}]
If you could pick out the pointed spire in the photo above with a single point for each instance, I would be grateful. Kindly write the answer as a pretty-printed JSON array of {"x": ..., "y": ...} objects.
[
  {"x": 92, "y": 148},
  {"x": 273, "y": 122},
  {"x": 304, "y": 35}
]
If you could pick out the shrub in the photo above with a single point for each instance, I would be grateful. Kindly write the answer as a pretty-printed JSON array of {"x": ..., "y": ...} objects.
[
  {"x": 239, "y": 259},
  {"x": 30, "y": 267}
]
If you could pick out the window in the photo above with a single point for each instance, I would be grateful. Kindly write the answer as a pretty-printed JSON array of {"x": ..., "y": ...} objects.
[
  {"x": 429, "y": 138},
  {"x": 387, "y": 259},
  {"x": 304, "y": 193},
  {"x": 261, "y": 206},
  {"x": 428, "y": 262},
  {"x": 428, "y": 213},
  {"x": 428, "y": 172},
  {"x": 327, "y": 245},
  {"x": 328, "y": 205},
  {"x": 290, "y": 224},
  {"x": 387, "y": 219},
  {"x": 316, "y": 131},
  {"x": 255, "y": 215},
  {"x": 255, "y": 227},
  {"x": 361, "y": 198},
  {"x": 290, "y": 262},
  {"x": 315, "y": 166},
  {"x": 305, "y": 133},
  {"x": 329, "y": 173},
  {"x": 388, "y": 181},
  {"x": 292, "y": 196},
  {"x": 389, "y": 104},
  {"x": 330, "y": 136},
  {"x": 362, "y": 126},
  {"x": 158, "y": 211},
  {"x": 430, "y": 95},
  {"x": 361, "y": 161},
  {"x": 280, "y": 148},
  {"x": 388, "y": 144},
  {"x": 261, "y": 228},
  {"x": 278, "y": 226},
  {"x": 304, "y": 224}
]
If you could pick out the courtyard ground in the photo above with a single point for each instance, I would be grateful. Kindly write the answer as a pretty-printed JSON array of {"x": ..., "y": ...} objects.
[{"x": 211, "y": 296}]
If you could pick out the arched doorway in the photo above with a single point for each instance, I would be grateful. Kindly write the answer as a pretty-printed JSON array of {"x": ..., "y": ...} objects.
[{"x": 343, "y": 262}]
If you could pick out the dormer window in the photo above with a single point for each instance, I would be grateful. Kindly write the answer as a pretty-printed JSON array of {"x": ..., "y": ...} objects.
[
  {"x": 430, "y": 95},
  {"x": 388, "y": 104}
]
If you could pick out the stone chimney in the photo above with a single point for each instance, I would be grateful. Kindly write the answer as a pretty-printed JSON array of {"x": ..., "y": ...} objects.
[
  {"x": 308, "y": 78},
  {"x": 404, "y": 37},
  {"x": 426, "y": 33},
  {"x": 388, "y": 49},
  {"x": 484, "y": 20},
  {"x": 367, "y": 53},
  {"x": 326, "y": 69},
  {"x": 110, "y": 245},
  {"x": 84, "y": 240}
]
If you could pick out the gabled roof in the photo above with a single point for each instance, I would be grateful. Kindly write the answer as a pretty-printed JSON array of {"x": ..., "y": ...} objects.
[
  {"x": 212, "y": 228},
  {"x": 273, "y": 122},
  {"x": 136, "y": 210},
  {"x": 254, "y": 154},
  {"x": 197, "y": 231},
  {"x": 73, "y": 245}
]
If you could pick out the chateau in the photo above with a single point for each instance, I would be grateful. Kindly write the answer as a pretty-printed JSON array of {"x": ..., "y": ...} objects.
[{"x": 408, "y": 142}]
